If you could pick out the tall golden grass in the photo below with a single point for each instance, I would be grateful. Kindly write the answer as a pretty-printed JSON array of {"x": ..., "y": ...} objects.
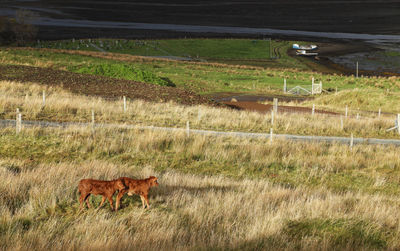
[
  {"x": 215, "y": 193},
  {"x": 366, "y": 102},
  {"x": 63, "y": 106}
]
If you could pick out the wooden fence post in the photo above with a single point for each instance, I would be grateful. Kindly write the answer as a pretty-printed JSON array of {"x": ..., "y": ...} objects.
[
  {"x": 124, "y": 103},
  {"x": 187, "y": 129},
  {"x": 357, "y": 69},
  {"x": 275, "y": 105},
  {"x": 272, "y": 117},
  {"x": 44, "y": 98},
  {"x": 284, "y": 85},
  {"x": 92, "y": 119},
  {"x": 398, "y": 123},
  {"x": 341, "y": 122},
  {"x": 270, "y": 135},
  {"x": 379, "y": 113},
  {"x": 351, "y": 141},
  {"x": 18, "y": 122},
  {"x": 313, "y": 110}
]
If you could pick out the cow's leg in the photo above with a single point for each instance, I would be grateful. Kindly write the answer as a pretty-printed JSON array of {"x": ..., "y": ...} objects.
[
  {"x": 119, "y": 196},
  {"x": 111, "y": 202},
  {"x": 146, "y": 199},
  {"x": 141, "y": 197},
  {"x": 87, "y": 200},
  {"x": 102, "y": 201},
  {"x": 81, "y": 199}
]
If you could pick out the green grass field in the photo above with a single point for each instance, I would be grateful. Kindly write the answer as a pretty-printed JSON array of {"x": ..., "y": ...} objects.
[
  {"x": 202, "y": 48},
  {"x": 202, "y": 77},
  {"x": 232, "y": 51}
]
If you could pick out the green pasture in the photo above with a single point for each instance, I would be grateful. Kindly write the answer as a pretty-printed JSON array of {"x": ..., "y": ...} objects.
[{"x": 258, "y": 52}]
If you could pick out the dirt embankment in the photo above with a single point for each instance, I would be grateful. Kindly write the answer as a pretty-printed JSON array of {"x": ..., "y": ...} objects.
[{"x": 101, "y": 86}]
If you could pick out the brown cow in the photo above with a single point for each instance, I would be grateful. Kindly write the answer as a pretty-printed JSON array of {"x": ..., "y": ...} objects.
[
  {"x": 140, "y": 187},
  {"x": 99, "y": 187}
]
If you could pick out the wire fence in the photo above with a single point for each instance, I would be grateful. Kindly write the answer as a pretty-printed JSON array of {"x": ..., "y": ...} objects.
[
  {"x": 356, "y": 113},
  {"x": 268, "y": 136}
]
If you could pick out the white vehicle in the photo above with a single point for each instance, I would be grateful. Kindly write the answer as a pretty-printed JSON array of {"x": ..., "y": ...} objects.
[
  {"x": 306, "y": 53},
  {"x": 305, "y": 47}
]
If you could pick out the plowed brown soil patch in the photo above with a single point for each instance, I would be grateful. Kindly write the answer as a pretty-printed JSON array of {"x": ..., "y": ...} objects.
[
  {"x": 101, "y": 86},
  {"x": 253, "y": 106}
]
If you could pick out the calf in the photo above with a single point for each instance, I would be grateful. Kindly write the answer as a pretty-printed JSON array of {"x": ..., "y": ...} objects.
[
  {"x": 99, "y": 187},
  {"x": 140, "y": 187}
]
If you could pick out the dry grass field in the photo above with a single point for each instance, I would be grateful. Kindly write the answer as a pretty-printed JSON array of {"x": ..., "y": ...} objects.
[
  {"x": 214, "y": 193},
  {"x": 61, "y": 105}
]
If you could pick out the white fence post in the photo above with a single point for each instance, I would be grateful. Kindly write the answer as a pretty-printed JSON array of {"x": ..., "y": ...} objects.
[
  {"x": 44, "y": 98},
  {"x": 357, "y": 69},
  {"x": 358, "y": 116},
  {"x": 313, "y": 110},
  {"x": 92, "y": 118},
  {"x": 272, "y": 117},
  {"x": 346, "y": 111},
  {"x": 187, "y": 129},
  {"x": 351, "y": 141},
  {"x": 18, "y": 122},
  {"x": 379, "y": 113},
  {"x": 398, "y": 123},
  {"x": 124, "y": 104},
  {"x": 199, "y": 115},
  {"x": 284, "y": 85},
  {"x": 341, "y": 122},
  {"x": 275, "y": 105},
  {"x": 270, "y": 135}
]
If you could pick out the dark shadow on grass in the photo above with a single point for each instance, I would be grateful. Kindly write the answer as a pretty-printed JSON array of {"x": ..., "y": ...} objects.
[{"x": 167, "y": 190}]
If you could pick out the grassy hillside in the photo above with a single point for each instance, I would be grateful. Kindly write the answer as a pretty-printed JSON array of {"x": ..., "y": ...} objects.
[
  {"x": 203, "y": 48},
  {"x": 233, "y": 51},
  {"x": 215, "y": 192},
  {"x": 200, "y": 77}
]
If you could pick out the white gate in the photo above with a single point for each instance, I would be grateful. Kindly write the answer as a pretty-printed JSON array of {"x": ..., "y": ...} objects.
[{"x": 305, "y": 89}]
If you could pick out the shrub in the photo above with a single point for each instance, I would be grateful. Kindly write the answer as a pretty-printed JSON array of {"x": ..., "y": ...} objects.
[{"x": 123, "y": 71}]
